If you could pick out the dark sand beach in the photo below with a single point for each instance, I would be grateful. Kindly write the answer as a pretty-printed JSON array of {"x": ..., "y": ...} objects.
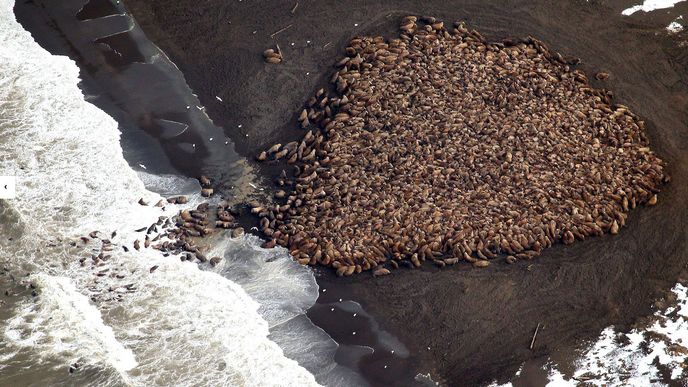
[{"x": 463, "y": 326}]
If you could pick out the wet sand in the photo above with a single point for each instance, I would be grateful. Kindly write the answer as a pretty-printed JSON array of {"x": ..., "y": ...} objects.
[{"x": 463, "y": 326}]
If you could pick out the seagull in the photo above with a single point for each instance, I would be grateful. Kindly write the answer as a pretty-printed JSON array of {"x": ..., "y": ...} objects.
[
  {"x": 142, "y": 166},
  {"x": 218, "y": 98}
]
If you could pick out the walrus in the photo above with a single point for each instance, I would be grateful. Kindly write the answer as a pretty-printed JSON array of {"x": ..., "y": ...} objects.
[
  {"x": 206, "y": 192},
  {"x": 380, "y": 272},
  {"x": 269, "y": 244},
  {"x": 186, "y": 215},
  {"x": 237, "y": 232},
  {"x": 481, "y": 263}
]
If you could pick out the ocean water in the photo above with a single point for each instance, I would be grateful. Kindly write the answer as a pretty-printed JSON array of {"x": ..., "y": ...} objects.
[{"x": 118, "y": 322}]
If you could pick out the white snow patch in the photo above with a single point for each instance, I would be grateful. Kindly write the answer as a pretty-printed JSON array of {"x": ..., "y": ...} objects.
[
  {"x": 675, "y": 26},
  {"x": 650, "y": 5}
]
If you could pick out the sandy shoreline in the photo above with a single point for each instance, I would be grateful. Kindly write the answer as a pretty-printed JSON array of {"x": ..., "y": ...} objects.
[{"x": 469, "y": 326}]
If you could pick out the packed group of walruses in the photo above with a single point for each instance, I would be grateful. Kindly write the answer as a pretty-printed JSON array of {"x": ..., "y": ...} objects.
[
  {"x": 178, "y": 235},
  {"x": 439, "y": 146}
]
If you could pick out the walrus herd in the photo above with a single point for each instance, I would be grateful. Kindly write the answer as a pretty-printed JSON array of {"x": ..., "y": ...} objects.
[
  {"x": 178, "y": 235},
  {"x": 440, "y": 146}
]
